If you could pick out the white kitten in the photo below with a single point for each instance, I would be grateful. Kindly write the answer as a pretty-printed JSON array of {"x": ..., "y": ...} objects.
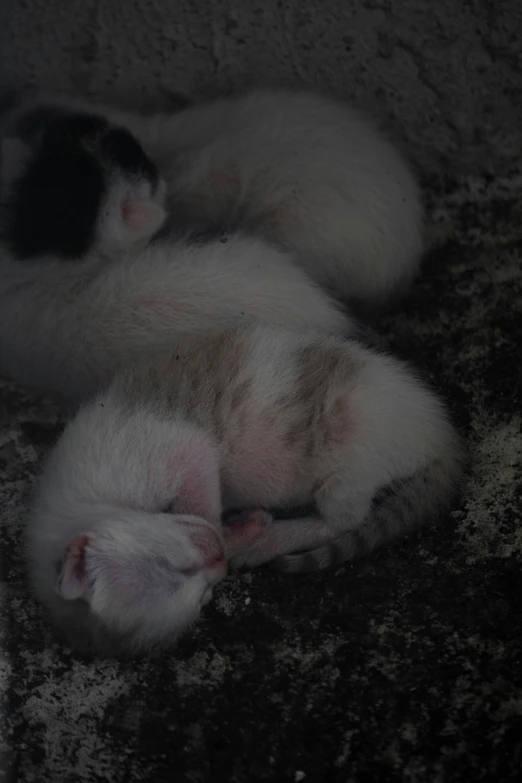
[
  {"x": 253, "y": 418},
  {"x": 306, "y": 171},
  {"x": 80, "y": 293}
]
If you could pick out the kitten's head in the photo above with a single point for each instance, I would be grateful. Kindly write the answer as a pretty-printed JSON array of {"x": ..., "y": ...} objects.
[
  {"x": 133, "y": 581},
  {"x": 71, "y": 182}
]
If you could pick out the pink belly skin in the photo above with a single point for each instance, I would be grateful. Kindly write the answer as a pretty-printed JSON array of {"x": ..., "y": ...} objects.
[
  {"x": 263, "y": 467},
  {"x": 259, "y": 468}
]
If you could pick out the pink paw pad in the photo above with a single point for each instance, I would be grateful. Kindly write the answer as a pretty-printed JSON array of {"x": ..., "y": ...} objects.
[{"x": 245, "y": 528}]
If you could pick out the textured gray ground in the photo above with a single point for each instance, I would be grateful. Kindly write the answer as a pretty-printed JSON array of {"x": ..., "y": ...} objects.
[{"x": 404, "y": 667}]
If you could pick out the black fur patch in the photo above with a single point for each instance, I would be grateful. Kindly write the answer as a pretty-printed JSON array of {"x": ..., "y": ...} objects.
[
  {"x": 69, "y": 127},
  {"x": 55, "y": 204},
  {"x": 116, "y": 146},
  {"x": 119, "y": 146}
]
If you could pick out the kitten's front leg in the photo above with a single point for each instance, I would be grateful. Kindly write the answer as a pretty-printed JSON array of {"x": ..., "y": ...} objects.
[
  {"x": 243, "y": 532},
  {"x": 254, "y": 537}
]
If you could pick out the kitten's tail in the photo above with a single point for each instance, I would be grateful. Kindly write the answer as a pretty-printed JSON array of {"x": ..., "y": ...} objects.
[{"x": 395, "y": 512}]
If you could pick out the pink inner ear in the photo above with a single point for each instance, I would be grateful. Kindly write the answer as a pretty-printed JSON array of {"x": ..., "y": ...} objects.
[
  {"x": 72, "y": 582},
  {"x": 142, "y": 215}
]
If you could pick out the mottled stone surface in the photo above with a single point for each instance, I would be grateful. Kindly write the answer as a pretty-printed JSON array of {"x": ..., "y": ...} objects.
[
  {"x": 404, "y": 667},
  {"x": 444, "y": 75}
]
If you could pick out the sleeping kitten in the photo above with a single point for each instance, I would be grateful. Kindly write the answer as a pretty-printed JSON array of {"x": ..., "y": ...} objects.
[
  {"x": 305, "y": 171},
  {"x": 125, "y": 540},
  {"x": 73, "y": 187}
]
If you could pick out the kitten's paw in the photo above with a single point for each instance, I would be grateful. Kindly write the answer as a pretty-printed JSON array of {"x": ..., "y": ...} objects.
[
  {"x": 244, "y": 534},
  {"x": 241, "y": 530}
]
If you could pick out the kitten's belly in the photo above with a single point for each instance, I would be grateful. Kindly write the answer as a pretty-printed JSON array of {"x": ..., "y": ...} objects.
[{"x": 261, "y": 470}]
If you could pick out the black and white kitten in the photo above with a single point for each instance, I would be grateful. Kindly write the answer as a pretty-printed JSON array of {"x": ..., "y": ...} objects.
[
  {"x": 71, "y": 183},
  {"x": 306, "y": 171}
]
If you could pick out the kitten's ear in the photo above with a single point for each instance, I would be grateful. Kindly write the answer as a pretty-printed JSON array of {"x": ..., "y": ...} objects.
[
  {"x": 108, "y": 571},
  {"x": 72, "y": 579},
  {"x": 142, "y": 218},
  {"x": 128, "y": 582}
]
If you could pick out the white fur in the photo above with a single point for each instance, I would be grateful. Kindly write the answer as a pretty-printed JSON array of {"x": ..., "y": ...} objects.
[
  {"x": 66, "y": 327},
  {"x": 310, "y": 172},
  {"x": 252, "y": 418}
]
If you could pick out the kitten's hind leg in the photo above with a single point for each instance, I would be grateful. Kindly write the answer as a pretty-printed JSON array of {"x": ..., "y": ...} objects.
[
  {"x": 254, "y": 537},
  {"x": 343, "y": 509},
  {"x": 307, "y": 544}
]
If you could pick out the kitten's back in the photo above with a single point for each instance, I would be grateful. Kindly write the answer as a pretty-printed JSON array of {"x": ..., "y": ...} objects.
[{"x": 307, "y": 171}]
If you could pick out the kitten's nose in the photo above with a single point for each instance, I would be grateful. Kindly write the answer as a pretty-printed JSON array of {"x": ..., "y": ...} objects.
[{"x": 215, "y": 568}]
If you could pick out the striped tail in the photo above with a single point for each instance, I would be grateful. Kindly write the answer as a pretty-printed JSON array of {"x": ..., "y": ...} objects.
[{"x": 396, "y": 511}]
